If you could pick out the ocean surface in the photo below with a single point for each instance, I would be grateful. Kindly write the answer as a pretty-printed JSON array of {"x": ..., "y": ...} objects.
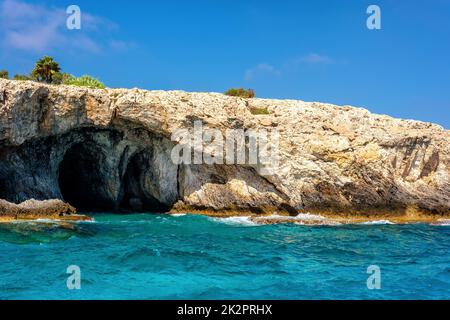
[{"x": 144, "y": 256}]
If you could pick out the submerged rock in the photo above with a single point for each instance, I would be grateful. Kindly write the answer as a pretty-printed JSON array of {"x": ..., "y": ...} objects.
[{"x": 110, "y": 149}]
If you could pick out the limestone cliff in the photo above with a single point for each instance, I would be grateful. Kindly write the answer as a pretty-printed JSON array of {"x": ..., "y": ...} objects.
[{"x": 109, "y": 149}]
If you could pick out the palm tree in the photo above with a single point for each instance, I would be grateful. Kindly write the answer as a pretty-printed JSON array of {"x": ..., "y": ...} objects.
[
  {"x": 45, "y": 68},
  {"x": 4, "y": 74}
]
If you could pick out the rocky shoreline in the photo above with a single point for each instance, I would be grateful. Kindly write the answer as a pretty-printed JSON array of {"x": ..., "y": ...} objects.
[
  {"x": 32, "y": 209},
  {"x": 61, "y": 212},
  {"x": 109, "y": 150},
  {"x": 412, "y": 216}
]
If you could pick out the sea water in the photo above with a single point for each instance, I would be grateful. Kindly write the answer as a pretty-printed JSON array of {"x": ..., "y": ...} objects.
[{"x": 145, "y": 256}]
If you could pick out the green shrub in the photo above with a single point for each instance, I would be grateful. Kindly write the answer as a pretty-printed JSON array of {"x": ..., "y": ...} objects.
[
  {"x": 83, "y": 81},
  {"x": 61, "y": 78},
  {"x": 241, "y": 92},
  {"x": 48, "y": 70},
  {"x": 21, "y": 77},
  {"x": 259, "y": 110}
]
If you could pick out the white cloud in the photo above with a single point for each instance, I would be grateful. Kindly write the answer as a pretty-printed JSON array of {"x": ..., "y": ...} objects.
[
  {"x": 309, "y": 59},
  {"x": 314, "y": 58},
  {"x": 259, "y": 70},
  {"x": 38, "y": 28},
  {"x": 292, "y": 64},
  {"x": 119, "y": 45},
  {"x": 31, "y": 27}
]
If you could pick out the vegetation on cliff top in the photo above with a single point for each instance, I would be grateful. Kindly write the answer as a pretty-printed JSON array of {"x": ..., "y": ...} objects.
[
  {"x": 83, "y": 81},
  {"x": 44, "y": 69},
  {"x": 47, "y": 70},
  {"x": 240, "y": 92},
  {"x": 21, "y": 77}
]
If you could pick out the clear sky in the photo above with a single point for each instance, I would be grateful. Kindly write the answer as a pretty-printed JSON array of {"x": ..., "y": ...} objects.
[{"x": 317, "y": 50}]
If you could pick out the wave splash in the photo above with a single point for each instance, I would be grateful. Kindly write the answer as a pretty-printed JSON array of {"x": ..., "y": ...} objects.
[
  {"x": 376, "y": 222},
  {"x": 300, "y": 219}
]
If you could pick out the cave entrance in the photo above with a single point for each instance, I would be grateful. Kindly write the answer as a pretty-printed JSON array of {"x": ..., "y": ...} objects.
[
  {"x": 139, "y": 191},
  {"x": 83, "y": 178}
]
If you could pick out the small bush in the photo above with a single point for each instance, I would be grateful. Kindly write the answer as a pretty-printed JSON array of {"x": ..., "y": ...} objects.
[
  {"x": 83, "y": 81},
  {"x": 241, "y": 92},
  {"x": 4, "y": 74},
  {"x": 259, "y": 111},
  {"x": 60, "y": 78},
  {"x": 21, "y": 77}
]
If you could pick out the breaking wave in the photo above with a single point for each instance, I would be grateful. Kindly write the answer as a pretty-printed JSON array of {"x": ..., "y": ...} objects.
[
  {"x": 375, "y": 222},
  {"x": 243, "y": 221}
]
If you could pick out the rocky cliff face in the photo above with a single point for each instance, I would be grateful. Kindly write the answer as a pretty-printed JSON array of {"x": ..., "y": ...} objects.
[{"x": 110, "y": 150}]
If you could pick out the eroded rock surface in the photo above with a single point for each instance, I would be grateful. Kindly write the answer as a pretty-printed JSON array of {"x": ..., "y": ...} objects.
[
  {"x": 34, "y": 209},
  {"x": 109, "y": 149}
]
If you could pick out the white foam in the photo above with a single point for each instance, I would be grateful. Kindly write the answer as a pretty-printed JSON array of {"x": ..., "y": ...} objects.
[
  {"x": 300, "y": 219},
  {"x": 442, "y": 223},
  {"x": 46, "y": 220},
  {"x": 178, "y": 214},
  {"x": 309, "y": 217},
  {"x": 377, "y": 222},
  {"x": 243, "y": 221},
  {"x": 52, "y": 221},
  {"x": 35, "y": 221}
]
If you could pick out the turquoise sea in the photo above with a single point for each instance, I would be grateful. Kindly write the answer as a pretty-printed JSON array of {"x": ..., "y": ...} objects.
[{"x": 144, "y": 256}]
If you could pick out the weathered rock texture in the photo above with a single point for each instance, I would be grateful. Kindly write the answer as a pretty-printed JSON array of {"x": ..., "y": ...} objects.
[
  {"x": 34, "y": 208},
  {"x": 110, "y": 149}
]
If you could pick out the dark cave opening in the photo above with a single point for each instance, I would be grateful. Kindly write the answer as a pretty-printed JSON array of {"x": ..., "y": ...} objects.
[
  {"x": 83, "y": 178},
  {"x": 89, "y": 183},
  {"x": 137, "y": 186}
]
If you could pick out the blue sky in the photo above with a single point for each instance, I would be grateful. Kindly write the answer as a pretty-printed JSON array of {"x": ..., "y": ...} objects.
[{"x": 310, "y": 50}]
